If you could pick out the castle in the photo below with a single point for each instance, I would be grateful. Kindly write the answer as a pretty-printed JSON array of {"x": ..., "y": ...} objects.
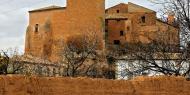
[{"x": 49, "y": 27}]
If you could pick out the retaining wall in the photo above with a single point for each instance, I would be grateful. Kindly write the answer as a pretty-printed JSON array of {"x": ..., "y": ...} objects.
[{"x": 21, "y": 85}]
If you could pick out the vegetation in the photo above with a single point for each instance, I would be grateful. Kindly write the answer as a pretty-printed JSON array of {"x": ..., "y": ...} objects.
[
  {"x": 10, "y": 62},
  {"x": 82, "y": 57},
  {"x": 160, "y": 57}
]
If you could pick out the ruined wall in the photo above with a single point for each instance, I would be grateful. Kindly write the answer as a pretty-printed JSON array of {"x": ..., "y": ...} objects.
[{"x": 20, "y": 85}]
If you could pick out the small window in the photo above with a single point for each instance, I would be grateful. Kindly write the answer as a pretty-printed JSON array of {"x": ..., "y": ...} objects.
[
  {"x": 117, "y": 11},
  {"x": 117, "y": 42},
  {"x": 36, "y": 27},
  {"x": 121, "y": 33},
  {"x": 106, "y": 11},
  {"x": 106, "y": 23},
  {"x": 128, "y": 28},
  {"x": 143, "y": 19},
  {"x": 106, "y": 33}
]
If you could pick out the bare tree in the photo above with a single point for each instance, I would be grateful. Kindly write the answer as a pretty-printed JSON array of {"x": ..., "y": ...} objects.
[
  {"x": 81, "y": 55},
  {"x": 159, "y": 57},
  {"x": 181, "y": 11},
  {"x": 4, "y": 61},
  {"x": 10, "y": 62},
  {"x": 152, "y": 59}
]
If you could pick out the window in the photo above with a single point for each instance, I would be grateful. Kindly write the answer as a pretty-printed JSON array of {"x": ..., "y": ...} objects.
[
  {"x": 36, "y": 28},
  {"x": 106, "y": 11},
  {"x": 121, "y": 33},
  {"x": 143, "y": 19},
  {"x": 117, "y": 11},
  {"x": 128, "y": 28},
  {"x": 106, "y": 23},
  {"x": 116, "y": 42}
]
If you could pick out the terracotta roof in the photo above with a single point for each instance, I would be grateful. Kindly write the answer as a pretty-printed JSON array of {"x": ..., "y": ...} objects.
[{"x": 53, "y": 7}]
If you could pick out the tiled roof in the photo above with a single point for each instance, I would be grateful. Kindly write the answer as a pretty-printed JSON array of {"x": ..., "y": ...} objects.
[{"x": 53, "y": 7}]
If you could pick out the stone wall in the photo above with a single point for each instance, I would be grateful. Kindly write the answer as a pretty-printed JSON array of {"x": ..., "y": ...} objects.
[
  {"x": 20, "y": 85},
  {"x": 37, "y": 43},
  {"x": 77, "y": 18},
  {"x": 140, "y": 25}
]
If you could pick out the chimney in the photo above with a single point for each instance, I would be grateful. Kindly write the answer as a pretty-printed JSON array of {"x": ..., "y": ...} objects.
[{"x": 171, "y": 18}]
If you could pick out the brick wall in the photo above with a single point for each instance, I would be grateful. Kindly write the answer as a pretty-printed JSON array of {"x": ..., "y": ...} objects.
[{"x": 20, "y": 85}]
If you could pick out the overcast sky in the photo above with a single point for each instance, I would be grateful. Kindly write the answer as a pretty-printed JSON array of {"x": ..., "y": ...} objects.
[{"x": 14, "y": 18}]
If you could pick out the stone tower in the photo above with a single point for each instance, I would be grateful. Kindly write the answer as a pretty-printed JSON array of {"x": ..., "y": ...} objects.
[{"x": 51, "y": 26}]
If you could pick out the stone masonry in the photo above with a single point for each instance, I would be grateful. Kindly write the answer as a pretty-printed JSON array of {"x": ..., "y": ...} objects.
[{"x": 50, "y": 27}]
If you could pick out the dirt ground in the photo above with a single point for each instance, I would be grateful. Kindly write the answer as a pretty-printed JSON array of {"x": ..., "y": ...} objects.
[{"x": 22, "y": 85}]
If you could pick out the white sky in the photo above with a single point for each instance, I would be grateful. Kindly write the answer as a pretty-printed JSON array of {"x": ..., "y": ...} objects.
[{"x": 14, "y": 18}]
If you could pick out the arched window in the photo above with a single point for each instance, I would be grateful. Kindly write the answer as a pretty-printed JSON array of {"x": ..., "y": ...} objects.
[
  {"x": 121, "y": 33},
  {"x": 36, "y": 27}
]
